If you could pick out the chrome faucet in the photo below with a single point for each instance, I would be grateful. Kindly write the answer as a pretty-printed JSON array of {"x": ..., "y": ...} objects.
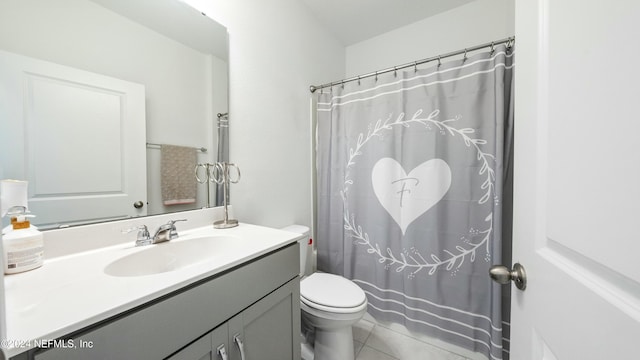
[{"x": 166, "y": 232}]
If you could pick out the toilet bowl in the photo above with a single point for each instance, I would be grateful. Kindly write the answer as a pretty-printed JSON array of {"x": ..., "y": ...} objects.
[{"x": 330, "y": 305}]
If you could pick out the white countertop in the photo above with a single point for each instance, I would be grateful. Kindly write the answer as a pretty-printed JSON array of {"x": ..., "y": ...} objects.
[{"x": 71, "y": 292}]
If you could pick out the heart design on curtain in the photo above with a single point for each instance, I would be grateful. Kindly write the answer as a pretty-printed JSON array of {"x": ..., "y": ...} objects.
[{"x": 407, "y": 196}]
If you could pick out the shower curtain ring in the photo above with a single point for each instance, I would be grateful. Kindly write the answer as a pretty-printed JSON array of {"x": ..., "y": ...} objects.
[
  {"x": 465, "y": 56},
  {"x": 492, "y": 49},
  {"x": 342, "y": 85},
  {"x": 439, "y": 62},
  {"x": 358, "y": 79},
  {"x": 395, "y": 71},
  {"x": 415, "y": 66},
  {"x": 376, "y": 78}
]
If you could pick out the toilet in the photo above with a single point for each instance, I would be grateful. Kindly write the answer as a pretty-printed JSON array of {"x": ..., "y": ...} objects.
[{"x": 330, "y": 305}]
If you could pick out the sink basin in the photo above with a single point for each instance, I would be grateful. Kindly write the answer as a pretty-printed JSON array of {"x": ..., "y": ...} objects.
[{"x": 171, "y": 256}]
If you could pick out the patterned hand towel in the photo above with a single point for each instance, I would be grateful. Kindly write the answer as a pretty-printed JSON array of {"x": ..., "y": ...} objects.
[{"x": 176, "y": 169}]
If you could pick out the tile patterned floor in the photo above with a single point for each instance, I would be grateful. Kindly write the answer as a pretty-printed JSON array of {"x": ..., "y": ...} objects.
[{"x": 374, "y": 341}]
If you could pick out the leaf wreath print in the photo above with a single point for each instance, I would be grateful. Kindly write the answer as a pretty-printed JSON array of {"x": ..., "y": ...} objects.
[{"x": 411, "y": 259}]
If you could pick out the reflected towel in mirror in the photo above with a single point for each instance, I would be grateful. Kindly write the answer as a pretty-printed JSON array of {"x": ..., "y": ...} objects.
[{"x": 176, "y": 171}]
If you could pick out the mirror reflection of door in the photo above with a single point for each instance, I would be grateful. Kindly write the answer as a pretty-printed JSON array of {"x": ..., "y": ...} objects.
[
  {"x": 179, "y": 55},
  {"x": 77, "y": 137}
]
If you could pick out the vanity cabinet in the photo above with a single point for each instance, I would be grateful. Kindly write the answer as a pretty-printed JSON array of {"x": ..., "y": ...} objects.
[
  {"x": 257, "y": 302},
  {"x": 263, "y": 331},
  {"x": 212, "y": 346}
]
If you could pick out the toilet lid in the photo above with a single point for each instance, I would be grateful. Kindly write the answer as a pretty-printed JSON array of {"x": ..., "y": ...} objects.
[{"x": 331, "y": 291}]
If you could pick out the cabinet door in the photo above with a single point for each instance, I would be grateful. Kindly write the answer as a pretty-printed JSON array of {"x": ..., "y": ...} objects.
[
  {"x": 270, "y": 328},
  {"x": 212, "y": 346},
  {"x": 198, "y": 350},
  {"x": 219, "y": 341}
]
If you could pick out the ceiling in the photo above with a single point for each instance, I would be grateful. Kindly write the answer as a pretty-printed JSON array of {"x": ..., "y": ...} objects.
[{"x": 352, "y": 21}]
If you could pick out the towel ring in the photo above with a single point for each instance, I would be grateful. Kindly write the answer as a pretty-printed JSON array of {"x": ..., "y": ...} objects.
[
  {"x": 226, "y": 176},
  {"x": 213, "y": 173}
]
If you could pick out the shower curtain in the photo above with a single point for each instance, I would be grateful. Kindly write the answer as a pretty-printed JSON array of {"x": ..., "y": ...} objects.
[
  {"x": 411, "y": 168},
  {"x": 223, "y": 154}
]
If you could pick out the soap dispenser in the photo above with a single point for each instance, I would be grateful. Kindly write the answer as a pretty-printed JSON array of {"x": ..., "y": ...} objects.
[{"x": 22, "y": 245}]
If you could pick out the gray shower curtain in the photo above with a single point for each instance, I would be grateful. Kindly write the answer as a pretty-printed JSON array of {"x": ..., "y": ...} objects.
[
  {"x": 223, "y": 154},
  {"x": 412, "y": 168}
]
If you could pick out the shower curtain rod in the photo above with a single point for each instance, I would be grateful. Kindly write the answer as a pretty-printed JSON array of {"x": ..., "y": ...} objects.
[{"x": 510, "y": 40}]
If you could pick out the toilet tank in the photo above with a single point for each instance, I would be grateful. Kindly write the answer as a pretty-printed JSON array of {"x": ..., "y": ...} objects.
[{"x": 305, "y": 244}]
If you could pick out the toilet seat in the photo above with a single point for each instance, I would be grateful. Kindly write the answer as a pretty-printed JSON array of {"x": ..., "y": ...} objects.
[{"x": 332, "y": 293}]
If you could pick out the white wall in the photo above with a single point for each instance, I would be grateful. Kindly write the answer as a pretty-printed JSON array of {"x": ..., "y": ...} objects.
[
  {"x": 277, "y": 49},
  {"x": 476, "y": 23}
]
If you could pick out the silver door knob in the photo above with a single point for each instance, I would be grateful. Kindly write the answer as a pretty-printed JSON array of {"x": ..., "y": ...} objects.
[
  {"x": 502, "y": 275},
  {"x": 138, "y": 204}
]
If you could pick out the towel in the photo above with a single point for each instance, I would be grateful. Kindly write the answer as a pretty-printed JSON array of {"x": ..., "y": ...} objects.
[{"x": 176, "y": 171}]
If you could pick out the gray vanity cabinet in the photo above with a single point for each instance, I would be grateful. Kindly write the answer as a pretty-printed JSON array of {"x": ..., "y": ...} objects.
[
  {"x": 265, "y": 330},
  {"x": 206, "y": 348},
  {"x": 270, "y": 328},
  {"x": 257, "y": 301}
]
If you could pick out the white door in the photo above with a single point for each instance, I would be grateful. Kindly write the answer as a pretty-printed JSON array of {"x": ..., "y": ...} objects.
[
  {"x": 76, "y": 136},
  {"x": 577, "y": 180}
]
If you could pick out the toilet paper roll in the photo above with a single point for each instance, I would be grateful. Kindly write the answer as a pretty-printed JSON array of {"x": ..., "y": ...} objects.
[{"x": 12, "y": 193}]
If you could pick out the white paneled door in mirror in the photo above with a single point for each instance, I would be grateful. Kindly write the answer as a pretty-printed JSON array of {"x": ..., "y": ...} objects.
[
  {"x": 577, "y": 170},
  {"x": 76, "y": 136}
]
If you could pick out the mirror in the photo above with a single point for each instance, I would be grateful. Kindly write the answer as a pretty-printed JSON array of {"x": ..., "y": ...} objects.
[{"x": 89, "y": 91}]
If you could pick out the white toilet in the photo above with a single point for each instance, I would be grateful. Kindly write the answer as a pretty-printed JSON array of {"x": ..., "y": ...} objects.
[{"x": 330, "y": 304}]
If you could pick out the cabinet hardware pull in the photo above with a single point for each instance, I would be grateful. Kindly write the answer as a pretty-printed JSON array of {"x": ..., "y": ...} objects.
[
  {"x": 238, "y": 341},
  {"x": 222, "y": 352}
]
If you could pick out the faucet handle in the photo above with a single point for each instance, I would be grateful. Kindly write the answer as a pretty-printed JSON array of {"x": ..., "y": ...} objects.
[
  {"x": 143, "y": 234},
  {"x": 173, "y": 233},
  {"x": 142, "y": 230}
]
